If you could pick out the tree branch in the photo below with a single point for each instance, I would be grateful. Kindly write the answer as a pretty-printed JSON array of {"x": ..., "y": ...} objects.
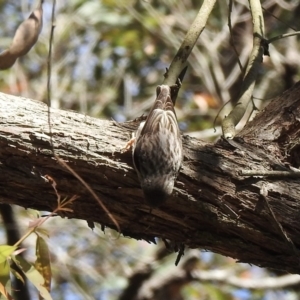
[
  {"x": 166, "y": 286},
  {"x": 212, "y": 207},
  {"x": 180, "y": 59}
]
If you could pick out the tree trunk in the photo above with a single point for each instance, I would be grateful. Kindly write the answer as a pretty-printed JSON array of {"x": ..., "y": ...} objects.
[{"x": 213, "y": 206}]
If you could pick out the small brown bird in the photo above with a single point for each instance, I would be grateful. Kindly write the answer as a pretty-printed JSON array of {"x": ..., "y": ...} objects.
[{"x": 157, "y": 150}]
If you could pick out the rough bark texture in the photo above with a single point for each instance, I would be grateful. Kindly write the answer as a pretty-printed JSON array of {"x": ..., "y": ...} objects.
[{"x": 212, "y": 206}]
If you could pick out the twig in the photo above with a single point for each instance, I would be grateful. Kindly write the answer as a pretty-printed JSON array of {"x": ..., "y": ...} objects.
[
  {"x": 288, "y": 25},
  {"x": 180, "y": 254},
  {"x": 264, "y": 194},
  {"x": 281, "y": 174},
  {"x": 281, "y": 36},
  {"x": 49, "y": 70}
]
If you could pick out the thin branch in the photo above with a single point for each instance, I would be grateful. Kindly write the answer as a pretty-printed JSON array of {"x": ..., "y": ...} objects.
[
  {"x": 225, "y": 276},
  {"x": 49, "y": 67},
  {"x": 179, "y": 61},
  {"x": 265, "y": 10},
  {"x": 281, "y": 36},
  {"x": 231, "y": 36},
  {"x": 228, "y": 124},
  {"x": 188, "y": 271},
  {"x": 59, "y": 160}
]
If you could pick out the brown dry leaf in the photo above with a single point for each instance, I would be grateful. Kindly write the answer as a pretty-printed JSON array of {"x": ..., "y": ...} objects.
[
  {"x": 6, "y": 60},
  {"x": 27, "y": 33},
  {"x": 205, "y": 101},
  {"x": 25, "y": 37}
]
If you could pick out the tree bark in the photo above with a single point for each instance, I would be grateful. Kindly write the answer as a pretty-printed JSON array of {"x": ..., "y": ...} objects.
[{"x": 212, "y": 207}]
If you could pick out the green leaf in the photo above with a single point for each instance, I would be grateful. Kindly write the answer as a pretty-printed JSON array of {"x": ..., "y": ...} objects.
[
  {"x": 5, "y": 282},
  {"x": 5, "y": 252},
  {"x": 42, "y": 263},
  {"x": 33, "y": 275}
]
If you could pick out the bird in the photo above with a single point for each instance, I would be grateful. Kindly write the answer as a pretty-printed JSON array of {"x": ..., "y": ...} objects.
[{"x": 157, "y": 149}]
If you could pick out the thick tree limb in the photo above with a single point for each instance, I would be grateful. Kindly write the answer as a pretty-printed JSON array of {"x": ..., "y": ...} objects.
[{"x": 212, "y": 207}]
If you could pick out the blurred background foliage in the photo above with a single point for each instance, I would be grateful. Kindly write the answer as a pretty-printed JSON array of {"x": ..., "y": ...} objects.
[{"x": 108, "y": 58}]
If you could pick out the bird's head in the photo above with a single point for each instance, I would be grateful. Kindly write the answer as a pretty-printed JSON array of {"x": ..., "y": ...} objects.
[{"x": 157, "y": 189}]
